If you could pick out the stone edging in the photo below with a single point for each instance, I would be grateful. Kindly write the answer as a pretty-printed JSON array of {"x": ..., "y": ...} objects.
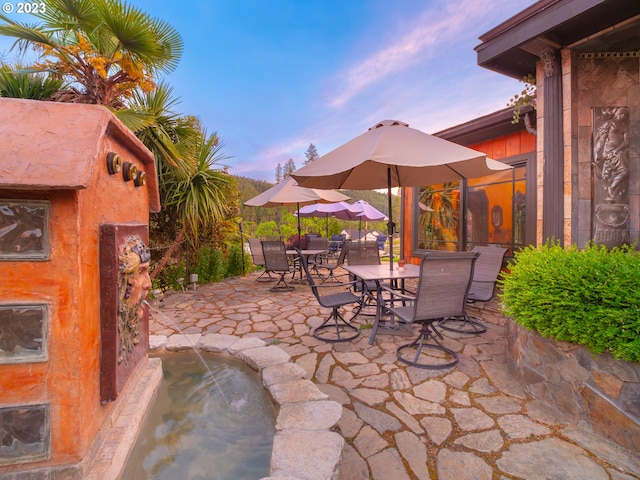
[{"x": 304, "y": 447}]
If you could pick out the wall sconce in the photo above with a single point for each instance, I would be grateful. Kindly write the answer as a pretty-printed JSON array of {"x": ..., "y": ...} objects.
[
  {"x": 114, "y": 163},
  {"x": 496, "y": 216},
  {"x": 129, "y": 171},
  {"x": 141, "y": 179}
]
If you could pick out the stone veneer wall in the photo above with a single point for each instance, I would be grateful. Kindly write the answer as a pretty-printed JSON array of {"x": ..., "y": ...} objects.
[
  {"x": 591, "y": 81},
  {"x": 600, "y": 391}
]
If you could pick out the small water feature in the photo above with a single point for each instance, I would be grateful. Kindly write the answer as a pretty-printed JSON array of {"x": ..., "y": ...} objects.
[{"x": 211, "y": 419}]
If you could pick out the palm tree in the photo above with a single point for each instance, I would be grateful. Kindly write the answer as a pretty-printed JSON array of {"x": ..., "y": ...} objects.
[
  {"x": 205, "y": 197},
  {"x": 34, "y": 86},
  {"x": 103, "y": 49}
]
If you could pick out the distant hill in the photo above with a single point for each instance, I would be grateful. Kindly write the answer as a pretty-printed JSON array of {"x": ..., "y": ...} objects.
[{"x": 250, "y": 188}]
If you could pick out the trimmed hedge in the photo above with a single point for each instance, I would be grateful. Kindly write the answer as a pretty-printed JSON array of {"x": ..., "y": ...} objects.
[{"x": 589, "y": 297}]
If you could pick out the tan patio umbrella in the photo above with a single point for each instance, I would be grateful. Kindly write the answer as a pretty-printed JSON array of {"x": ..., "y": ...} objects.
[
  {"x": 391, "y": 154},
  {"x": 288, "y": 192}
]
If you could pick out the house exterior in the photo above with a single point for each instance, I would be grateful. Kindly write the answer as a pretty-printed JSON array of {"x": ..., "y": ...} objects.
[{"x": 577, "y": 154}]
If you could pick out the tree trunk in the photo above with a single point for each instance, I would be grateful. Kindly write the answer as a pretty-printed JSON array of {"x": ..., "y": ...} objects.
[{"x": 168, "y": 254}]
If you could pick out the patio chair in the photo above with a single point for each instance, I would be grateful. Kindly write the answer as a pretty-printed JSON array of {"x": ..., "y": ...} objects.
[
  {"x": 380, "y": 240},
  {"x": 364, "y": 253},
  {"x": 318, "y": 243},
  {"x": 277, "y": 262},
  {"x": 335, "y": 328},
  {"x": 336, "y": 243},
  {"x": 445, "y": 278},
  {"x": 257, "y": 257},
  {"x": 485, "y": 276},
  {"x": 330, "y": 265}
]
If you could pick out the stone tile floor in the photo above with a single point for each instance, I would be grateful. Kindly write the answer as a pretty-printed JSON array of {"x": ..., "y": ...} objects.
[{"x": 473, "y": 421}]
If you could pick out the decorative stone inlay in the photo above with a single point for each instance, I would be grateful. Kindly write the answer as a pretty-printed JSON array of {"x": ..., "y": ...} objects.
[{"x": 304, "y": 448}]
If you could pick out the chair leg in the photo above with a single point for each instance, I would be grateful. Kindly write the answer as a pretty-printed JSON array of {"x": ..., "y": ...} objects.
[
  {"x": 426, "y": 333},
  {"x": 282, "y": 285},
  {"x": 462, "y": 324},
  {"x": 336, "y": 329},
  {"x": 268, "y": 279}
]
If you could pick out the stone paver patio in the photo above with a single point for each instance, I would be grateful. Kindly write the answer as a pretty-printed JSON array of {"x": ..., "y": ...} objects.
[{"x": 398, "y": 422}]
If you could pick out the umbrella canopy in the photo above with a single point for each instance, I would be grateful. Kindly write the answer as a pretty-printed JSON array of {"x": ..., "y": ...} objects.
[
  {"x": 324, "y": 210},
  {"x": 288, "y": 192},
  {"x": 362, "y": 210},
  {"x": 391, "y": 154}
]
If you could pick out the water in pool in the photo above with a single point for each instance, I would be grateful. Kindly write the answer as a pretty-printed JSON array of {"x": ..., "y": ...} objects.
[{"x": 213, "y": 422}]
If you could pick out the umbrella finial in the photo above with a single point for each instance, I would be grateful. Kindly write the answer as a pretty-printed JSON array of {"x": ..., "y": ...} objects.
[{"x": 386, "y": 123}]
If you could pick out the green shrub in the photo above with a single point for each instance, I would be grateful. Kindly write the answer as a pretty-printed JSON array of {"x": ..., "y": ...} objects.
[
  {"x": 589, "y": 297},
  {"x": 234, "y": 261},
  {"x": 210, "y": 265},
  {"x": 169, "y": 275}
]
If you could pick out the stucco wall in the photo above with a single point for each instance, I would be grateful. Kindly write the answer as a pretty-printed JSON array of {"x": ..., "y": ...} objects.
[{"x": 69, "y": 282}]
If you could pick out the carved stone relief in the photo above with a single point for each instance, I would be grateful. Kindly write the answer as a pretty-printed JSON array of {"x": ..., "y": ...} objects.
[
  {"x": 124, "y": 318},
  {"x": 611, "y": 179}
]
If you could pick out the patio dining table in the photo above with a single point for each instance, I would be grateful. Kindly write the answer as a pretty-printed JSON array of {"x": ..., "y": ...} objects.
[
  {"x": 308, "y": 254},
  {"x": 377, "y": 274}
]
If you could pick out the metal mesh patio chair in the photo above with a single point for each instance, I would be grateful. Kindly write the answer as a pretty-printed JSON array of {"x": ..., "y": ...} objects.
[
  {"x": 277, "y": 262},
  {"x": 445, "y": 278},
  {"x": 318, "y": 243},
  {"x": 257, "y": 257},
  {"x": 364, "y": 253},
  {"x": 330, "y": 265},
  {"x": 485, "y": 276},
  {"x": 335, "y": 328}
]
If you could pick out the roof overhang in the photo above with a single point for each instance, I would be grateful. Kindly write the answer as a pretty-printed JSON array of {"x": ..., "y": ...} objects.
[{"x": 586, "y": 26}]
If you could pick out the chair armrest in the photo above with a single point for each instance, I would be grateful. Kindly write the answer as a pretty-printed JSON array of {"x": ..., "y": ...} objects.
[
  {"x": 396, "y": 293},
  {"x": 335, "y": 285}
]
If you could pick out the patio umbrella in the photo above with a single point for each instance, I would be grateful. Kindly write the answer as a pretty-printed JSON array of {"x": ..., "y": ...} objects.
[
  {"x": 362, "y": 210},
  {"x": 391, "y": 154},
  {"x": 288, "y": 192},
  {"x": 324, "y": 210}
]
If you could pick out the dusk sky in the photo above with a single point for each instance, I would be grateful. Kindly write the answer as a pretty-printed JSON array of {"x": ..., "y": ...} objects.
[{"x": 272, "y": 77}]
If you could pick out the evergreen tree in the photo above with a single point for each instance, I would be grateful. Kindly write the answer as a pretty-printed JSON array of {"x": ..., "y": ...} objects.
[
  {"x": 311, "y": 154},
  {"x": 278, "y": 173},
  {"x": 289, "y": 168}
]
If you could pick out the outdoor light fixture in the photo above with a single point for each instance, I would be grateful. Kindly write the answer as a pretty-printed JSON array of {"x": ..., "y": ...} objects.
[
  {"x": 114, "y": 164},
  {"x": 129, "y": 171},
  {"x": 141, "y": 179}
]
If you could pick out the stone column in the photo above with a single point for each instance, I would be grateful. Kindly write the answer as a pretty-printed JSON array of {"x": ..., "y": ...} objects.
[{"x": 553, "y": 170}]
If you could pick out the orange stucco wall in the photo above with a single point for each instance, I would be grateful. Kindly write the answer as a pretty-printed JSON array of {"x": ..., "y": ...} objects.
[
  {"x": 503, "y": 147},
  {"x": 69, "y": 282}
]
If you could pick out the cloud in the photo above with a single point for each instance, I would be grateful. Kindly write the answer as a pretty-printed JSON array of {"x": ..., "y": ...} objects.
[{"x": 435, "y": 29}]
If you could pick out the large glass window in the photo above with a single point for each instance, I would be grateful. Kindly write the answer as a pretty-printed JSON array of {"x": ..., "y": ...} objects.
[{"x": 493, "y": 210}]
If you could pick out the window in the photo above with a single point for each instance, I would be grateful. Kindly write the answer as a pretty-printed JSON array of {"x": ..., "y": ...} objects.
[{"x": 499, "y": 209}]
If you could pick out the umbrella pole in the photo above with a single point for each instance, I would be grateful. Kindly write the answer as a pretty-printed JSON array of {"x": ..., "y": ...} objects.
[
  {"x": 299, "y": 229},
  {"x": 390, "y": 226}
]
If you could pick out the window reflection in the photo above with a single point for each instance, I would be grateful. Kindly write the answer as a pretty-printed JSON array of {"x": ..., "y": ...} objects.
[{"x": 494, "y": 212}]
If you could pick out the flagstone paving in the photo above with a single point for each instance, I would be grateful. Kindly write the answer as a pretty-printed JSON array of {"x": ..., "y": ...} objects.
[{"x": 473, "y": 421}]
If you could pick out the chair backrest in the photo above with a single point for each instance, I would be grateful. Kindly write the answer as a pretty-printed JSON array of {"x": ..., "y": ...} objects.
[
  {"x": 312, "y": 283},
  {"x": 445, "y": 278},
  {"x": 275, "y": 256},
  {"x": 317, "y": 243},
  {"x": 486, "y": 271},
  {"x": 363, "y": 253},
  {"x": 344, "y": 248},
  {"x": 255, "y": 247},
  {"x": 380, "y": 240}
]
